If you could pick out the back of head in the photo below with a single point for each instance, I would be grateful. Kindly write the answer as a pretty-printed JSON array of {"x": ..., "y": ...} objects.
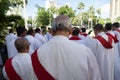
[
  {"x": 37, "y": 30},
  {"x": 61, "y": 23},
  {"x": 116, "y": 25},
  {"x": 108, "y": 26},
  {"x": 22, "y": 44},
  {"x": 76, "y": 31},
  {"x": 98, "y": 27},
  {"x": 83, "y": 30},
  {"x": 10, "y": 30},
  {"x": 21, "y": 31},
  {"x": 31, "y": 32}
]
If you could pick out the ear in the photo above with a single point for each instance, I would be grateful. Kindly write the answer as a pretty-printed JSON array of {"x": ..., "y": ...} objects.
[{"x": 71, "y": 30}]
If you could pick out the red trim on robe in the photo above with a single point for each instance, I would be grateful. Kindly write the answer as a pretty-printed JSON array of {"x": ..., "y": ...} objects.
[
  {"x": 11, "y": 73},
  {"x": 114, "y": 37},
  {"x": 106, "y": 44},
  {"x": 39, "y": 70},
  {"x": 75, "y": 38},
  {"x": 84, "y": 34}
]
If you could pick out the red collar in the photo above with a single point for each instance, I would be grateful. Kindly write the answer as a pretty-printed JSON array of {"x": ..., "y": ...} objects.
[{"x": 75, "y": 38}]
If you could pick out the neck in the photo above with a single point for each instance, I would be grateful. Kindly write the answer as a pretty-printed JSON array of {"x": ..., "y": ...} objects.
[{"x": 64, "y": 33}]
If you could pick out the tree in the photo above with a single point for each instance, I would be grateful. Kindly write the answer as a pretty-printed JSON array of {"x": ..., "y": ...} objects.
[
  {"x": 44, "y": 17},
  {"x": 66, "y": 10},
  {"x": 81, "y": 7},
  {"x": 17, "y": 4}
]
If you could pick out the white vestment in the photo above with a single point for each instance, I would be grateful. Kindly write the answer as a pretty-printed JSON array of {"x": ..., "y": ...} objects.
[
  {"x": 48, "y": 36},
  {"x": 40, "y": 38},
  {"x": 13, "y": 50},
  {"x": 9, "y": 38},
  {"x": 34, "y": 43},
  {"x": 67, "y": 60},
  {"x": 117, "y": 57},
  {"x": 105, "y": 57},
  {"x": 23, "y": 67}
]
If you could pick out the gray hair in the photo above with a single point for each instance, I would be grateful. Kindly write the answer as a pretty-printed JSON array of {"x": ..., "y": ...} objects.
[
  {"x": 21, "y": 44},
  {"x": 62, "y": 23}
]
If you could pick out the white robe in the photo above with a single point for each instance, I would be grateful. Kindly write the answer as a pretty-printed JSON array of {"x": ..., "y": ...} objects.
[
  {"x": 9, "y": 38},
  {"x": 105, "y": 57},
  {"x": 117, "y": 57},
  {"x": 67, "y": 60},
  {"x": 48, "y": 36},
  {"x": 34, "y": 43},
  {"x": 13, "y": 50},
  {"x": 40, "y": 38},
  {"x": 23, "y": 67}
]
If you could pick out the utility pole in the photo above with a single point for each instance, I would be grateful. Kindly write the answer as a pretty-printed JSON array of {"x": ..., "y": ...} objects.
[{"x": 24, "y": 5}]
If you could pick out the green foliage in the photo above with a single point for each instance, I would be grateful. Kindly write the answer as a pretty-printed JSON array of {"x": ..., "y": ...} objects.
[
  {"x": 118, "y": 19},
  {"x": 66, "y": 10},
  {"x": 81, "y": 6},
  {"x": 15, "y": 20},
  {"x": 44, "y": 17},
  {"x": 18, "y": 3}
]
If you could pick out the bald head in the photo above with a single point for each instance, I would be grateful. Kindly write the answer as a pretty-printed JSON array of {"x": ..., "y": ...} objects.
[
  {"x": 22, "y": 45},
  {"x": 61, "y": 23}
]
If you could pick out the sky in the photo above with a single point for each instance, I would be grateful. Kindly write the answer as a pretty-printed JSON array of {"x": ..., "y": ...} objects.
[{"x": 104, "y": 5}]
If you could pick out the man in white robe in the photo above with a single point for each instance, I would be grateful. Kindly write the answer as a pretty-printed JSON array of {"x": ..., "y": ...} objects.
[
  {"x": 21, "y": 32},
  {"x": 64, "y": 59},
  {"x": 75, "y": 37},
  {"x": 101, "y": 46},
  {"x": 48, "y": 35},
  {"x": 39, "y": 36},
  {"x": 20, "y": 66},
  {"x": 34, "y": 43},
  {"x": 116, "y": 31},
  {"x": 9, "y": 38}
]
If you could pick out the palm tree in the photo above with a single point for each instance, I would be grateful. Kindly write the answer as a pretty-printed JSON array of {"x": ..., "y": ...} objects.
[{"x": 81, "y": 7}]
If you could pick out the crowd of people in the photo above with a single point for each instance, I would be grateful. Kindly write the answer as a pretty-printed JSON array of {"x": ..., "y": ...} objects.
[{"x": 63, "y": 53}]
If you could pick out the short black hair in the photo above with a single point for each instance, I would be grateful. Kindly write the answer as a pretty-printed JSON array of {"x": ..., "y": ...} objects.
[
  {"x": 30, "y": 31},
  {"x": 83, "y": 30},
  {"x": 116, "y": 25},
  {"x": 10, "y": 30},
  {"x": 76, "y": 31},
  {"x": 37, "y": 30},
  {"x": 98, "y": 27},
  {"x": 20, "y": 30},
  {"x": 108, "y": 26}
]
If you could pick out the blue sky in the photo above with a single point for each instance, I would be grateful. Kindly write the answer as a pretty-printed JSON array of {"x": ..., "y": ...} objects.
[{"x": 104, "y": 5}]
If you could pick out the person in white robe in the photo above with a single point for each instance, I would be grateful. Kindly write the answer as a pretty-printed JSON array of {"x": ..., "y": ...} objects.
[
  {"x": 39, "y": 36},
  {"x": 9, "y": 38},
  {"x": 75, "y": 37},
  {"x": 21, "y": 63},
  {"x": 64, "y": 59},
  {"x": 21, "y": 32},
  {"x": 102, "y": 48},
  {"x": 34, "y": 43},
  {"x": 116, "y": 31},
  {"x": 48, "y": 35}
]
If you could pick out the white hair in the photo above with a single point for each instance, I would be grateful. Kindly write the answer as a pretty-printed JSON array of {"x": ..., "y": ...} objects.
[{"x": 61, "y": 22}]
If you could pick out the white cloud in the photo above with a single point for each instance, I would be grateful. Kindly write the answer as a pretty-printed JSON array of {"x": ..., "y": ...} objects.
[{"x": 105, "y": 10}]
